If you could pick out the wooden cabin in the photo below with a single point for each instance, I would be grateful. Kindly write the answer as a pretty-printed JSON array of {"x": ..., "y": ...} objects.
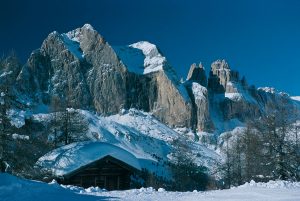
[
  {"x": 108, "y": 172},
  {"x": 92, "y": 163}
]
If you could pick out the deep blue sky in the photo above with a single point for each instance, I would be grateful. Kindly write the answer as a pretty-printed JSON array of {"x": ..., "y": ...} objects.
[{"x": 259, "y": 38}]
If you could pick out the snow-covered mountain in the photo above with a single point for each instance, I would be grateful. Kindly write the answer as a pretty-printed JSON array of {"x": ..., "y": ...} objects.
[
  {"x": 83, "y": 67},
  {"x": 131, "y": 97}
]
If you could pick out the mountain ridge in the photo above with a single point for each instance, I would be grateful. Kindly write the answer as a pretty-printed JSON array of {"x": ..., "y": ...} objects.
[{"x": 80, "y": 64}]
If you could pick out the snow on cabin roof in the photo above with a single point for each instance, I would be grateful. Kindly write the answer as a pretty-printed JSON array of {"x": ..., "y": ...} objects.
[{"x": 69, "y": 158}]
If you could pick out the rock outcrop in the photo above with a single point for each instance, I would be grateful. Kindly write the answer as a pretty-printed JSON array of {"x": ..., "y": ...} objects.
[
  {"x": 153, "y": 84},
  {"x": 173, "y": 104},
  {"x": 232, "y": 100},
  {"x": 197, "y": 74},
  {"x": 196, "y": 84},
  {"x": 221, "y": 77},
  {"x": 200, "y": 113},
  {"x": 229, "y": 97}
]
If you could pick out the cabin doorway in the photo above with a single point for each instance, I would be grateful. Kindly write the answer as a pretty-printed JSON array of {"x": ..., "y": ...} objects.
[{"x": 112, "y": 182}]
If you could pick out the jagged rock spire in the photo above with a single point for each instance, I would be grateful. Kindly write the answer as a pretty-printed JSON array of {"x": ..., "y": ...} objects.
[
  {"x": 220, "y": 64},
  {"x": 221, "y": 74},
  {"x": 197, "y": 74}
]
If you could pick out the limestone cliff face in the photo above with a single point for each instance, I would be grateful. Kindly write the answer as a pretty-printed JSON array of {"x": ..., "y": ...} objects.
[
  {"x": 32, "y": 81},
  {"x": 173, "y": 102},
  {"x": 153, "y": 84},
  {"x": 79, "y": 68},
  {"x": 200, "y": 112},
  {"x": 196, "y": 85},
  {"x": 83, "y": 71}
]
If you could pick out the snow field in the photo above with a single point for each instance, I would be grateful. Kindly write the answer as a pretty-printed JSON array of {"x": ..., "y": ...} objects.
[{"x": 16, "y": 189}]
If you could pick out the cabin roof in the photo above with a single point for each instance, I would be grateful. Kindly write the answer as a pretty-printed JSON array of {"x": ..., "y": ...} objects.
[{"x": 69, "y": 158}]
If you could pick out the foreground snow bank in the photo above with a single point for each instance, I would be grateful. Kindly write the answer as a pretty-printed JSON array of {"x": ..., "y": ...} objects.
[
  {"x": 272, "y": 191},
  {"x": 15, "y": 189}
]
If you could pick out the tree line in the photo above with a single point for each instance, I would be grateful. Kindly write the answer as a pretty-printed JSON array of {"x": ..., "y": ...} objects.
[
  {"x": 66, "y": 124},
  {"x": 267, "y": 149}
]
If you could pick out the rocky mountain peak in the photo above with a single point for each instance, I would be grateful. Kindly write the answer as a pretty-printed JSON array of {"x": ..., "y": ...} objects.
[
  {"x": 86, "y": 36},
  {"x": 219, "y": 64},
  {"x": 221, "y": 75},
  {"x": 201, "y": 66},
  {"x": 79, "y": 42},
  {"x": 197, "y": 74},
  {"x": 88, "y": 27},
  {"x": 86, "y": 31}
]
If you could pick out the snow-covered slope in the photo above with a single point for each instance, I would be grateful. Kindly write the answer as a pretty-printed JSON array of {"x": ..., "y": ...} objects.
[
  {"x": 238, "y": 93},
  {"x": 141, "y": 57},
  {"x": 73, "y": 46},
  {"x": 16, "y": 189},
  {"x": 137, "y": 132},
  {"x": 72, "y": 40},
  {"x": 296, "y": 98}
]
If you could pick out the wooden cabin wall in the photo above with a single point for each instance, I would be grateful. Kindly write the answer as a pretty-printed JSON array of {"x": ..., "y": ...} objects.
[{"x": 104, "y": 174}]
